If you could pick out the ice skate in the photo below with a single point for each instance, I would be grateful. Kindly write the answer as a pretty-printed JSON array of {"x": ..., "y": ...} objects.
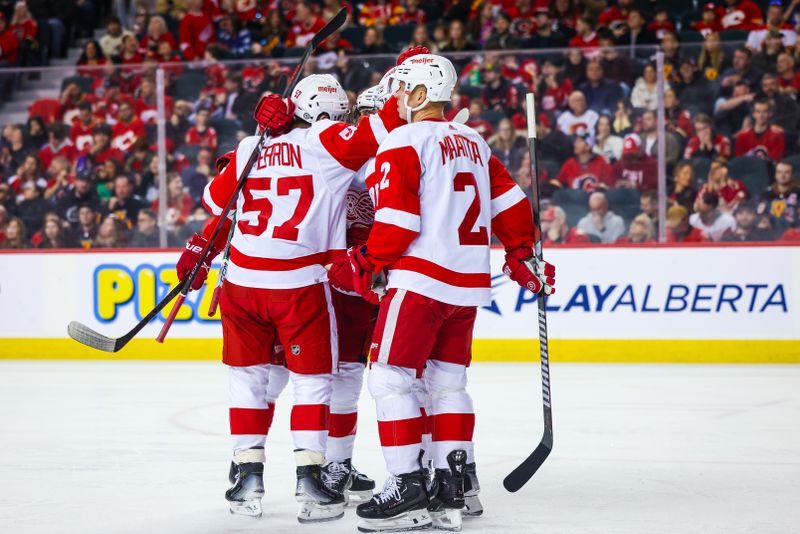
[
  {"x": 472, "y": 505},
  {"x": 447, "y": 498},
  {"x": 318, "y": 503},
  {"x": 401, "y": 505},
  {"x": 247, "y": 476},
  {"x": 361, "y": 487}
]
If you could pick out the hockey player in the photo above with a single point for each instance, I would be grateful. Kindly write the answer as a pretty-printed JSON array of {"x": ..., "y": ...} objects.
[
  {"x": 290, "y": 222},
  {"x": 438, "y": 193}
]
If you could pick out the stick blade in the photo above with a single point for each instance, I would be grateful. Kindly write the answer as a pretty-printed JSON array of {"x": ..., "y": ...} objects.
[
  {"x": 330, "y": 28},
  {"x": 85, "y": 335},
  {"x": 523, "y": 473}
]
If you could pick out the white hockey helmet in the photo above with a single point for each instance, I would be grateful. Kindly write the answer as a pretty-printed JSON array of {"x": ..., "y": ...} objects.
[
  {"x": 372, "y": 98},
  {"x": 436, "y": 73},
  {"x": 317, "y": 94}
]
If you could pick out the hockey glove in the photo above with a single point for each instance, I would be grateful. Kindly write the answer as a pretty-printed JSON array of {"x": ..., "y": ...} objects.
[
  {"x": 275, "y": 113},
  {"x": 353, "y": 273},
  {"x": 413, "y": 51},
  {"x": 523, "y": 268},
  {"x": 224, "y": 160},
  {"x": 340, "y": 275},
  {"x": 190, "y": 257}
]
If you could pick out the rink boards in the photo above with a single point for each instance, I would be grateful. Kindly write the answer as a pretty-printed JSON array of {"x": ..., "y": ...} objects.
[{"x": 618, "y": 304}]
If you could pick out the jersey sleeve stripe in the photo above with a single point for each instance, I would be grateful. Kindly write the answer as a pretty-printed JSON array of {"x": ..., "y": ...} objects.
[
  {"x": 209, "y": 203},
  {"x": 400, "y": 218},
  {"x": 507, "y": 200},
  {"x": 443, "y": 274},
  {"x": 378, "y": 128},
  {"x": 277, "y": 264}
]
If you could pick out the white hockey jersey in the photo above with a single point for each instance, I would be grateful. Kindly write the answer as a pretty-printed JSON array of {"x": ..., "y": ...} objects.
[
  {"x": 439, "y": 194},
  {"x": 291, "y": 215}
]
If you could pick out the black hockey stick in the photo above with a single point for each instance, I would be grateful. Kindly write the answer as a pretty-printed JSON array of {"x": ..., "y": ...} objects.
[
  {"x": 519, "y": 476},
  {"x": 83, "y": 334}
]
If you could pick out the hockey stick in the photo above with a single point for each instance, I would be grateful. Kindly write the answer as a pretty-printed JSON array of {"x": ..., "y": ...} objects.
[
  {"x": 87, "y": 336},
  {"x": 519, "y": 476},
  {"x": 223, "y": 271}
]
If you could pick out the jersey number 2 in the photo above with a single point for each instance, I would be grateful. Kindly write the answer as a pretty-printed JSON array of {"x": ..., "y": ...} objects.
[
  {"x": 288, "y": 230},
  {"x": 466, "y": 234}
]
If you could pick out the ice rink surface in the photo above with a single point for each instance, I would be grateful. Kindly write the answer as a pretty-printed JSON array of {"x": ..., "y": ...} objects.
[{"x": 118, "y": 447}]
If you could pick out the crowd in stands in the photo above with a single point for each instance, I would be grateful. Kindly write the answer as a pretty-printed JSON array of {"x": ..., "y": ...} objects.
[{"x": 83, "y": 171}]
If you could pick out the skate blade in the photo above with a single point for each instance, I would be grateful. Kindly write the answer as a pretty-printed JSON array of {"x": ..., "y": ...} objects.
[
  {"x": 447, "y": 519},
  {"x": 411, "y": 520},
  {"x": 319, "y": 513},
  {"x": 246, "y": 508},
  {"x": 358, "y": 497},
  {"x": 472, "y": 507}
]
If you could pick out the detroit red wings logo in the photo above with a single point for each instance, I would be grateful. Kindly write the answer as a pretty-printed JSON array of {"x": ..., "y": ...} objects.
[{"x": 359, "y": 208}]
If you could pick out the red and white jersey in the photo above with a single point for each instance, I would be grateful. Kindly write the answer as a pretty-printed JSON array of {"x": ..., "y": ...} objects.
[
  {"x": 124, "y": 135},
  {"x": 438, "y": 194},
  {"x": 291, "y": 215}
]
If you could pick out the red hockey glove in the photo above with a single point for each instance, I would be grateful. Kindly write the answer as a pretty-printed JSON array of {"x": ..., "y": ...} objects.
[
  {"x": 275, "y": 113},
  {"x": 340, "y": 274},
  {"x": 224, "y": 160},
  {"x": 413, "y": 51},
  {"x": 353, "y": 273},
  {"x": 190, "y": 257},
  {"x": 522, "y": 267}
]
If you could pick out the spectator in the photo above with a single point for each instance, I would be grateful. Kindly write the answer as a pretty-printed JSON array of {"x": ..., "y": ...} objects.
[
  {"x": 554, "y": 88},
  {"x": 109, "y": 234},
  {"x": 91, "y": 60},
  {"x": 712, "y": 59},
  {"x": 601, "y": 94},
  {"x": 508, "y": 146},
  {"x": 730, "y": 113},
  {"x": 59, "y": 179},
  {"x": 304, "y": 26},
  {"x": 197, "y": 177},
  {"x": 707, "y": 217},
  {"x": 649, "y": 136},
  {"x": 607, "y": 144},
  {"x": 623, "y": 122},
  {"x": 25, "y": 29},
  {"x": 788, "y": 77},
  {"x": 740, "y": 15},
  {"x": 648, "y": 204},
  {"x": 730, "y": 191},
  {"x": 546, "y": 35},
  {"x": 101, "y": 150},
  {"x": 7, "y": 198},
  {"x": 3, "y": 223},
  {"x": 693, "y": 88},
  {"x": 556, "y": 230},
  {"x": 57, "y": 145},
  {"x": 146, "y": 234},
  {"x": 194, "y": 224},
  {"x": 585, "y": 38},
  {"x": 81, "y": 193},
  {"x": 495, "y": 88},
  {"x": 111, "y": 42},
  {"x": 32, "y": 207},
  {"x": 615, "y": 15},
  {"x": 53, "y": 234},
  {"x": 661, "y": 23},
  {"x": 201, "y": 133},
  {"x": 129, "y": 54},
  {"x": 635, "y": 169},
  {"x": 15, "y": 235},
  {"x": 196, "y": 31},
  {"x": 86, "y": 229},
  {"x": 645, "y": 91},
  {"x": 37, "y": 132},
  {"x": 565, "y": 14},
  {"x": 741, "y": 69},
  {"x": 129, "y": 129},
  {"x": 414, "y": 14},
  {"x": 179, "y": 203},
  {"x": 601, "y": 223},
  {"x": 775, "y": 22},
  {"x": 746, "y": 229},
  {"x": 28, "y": 172},
  {"x": 156, "y": 32},
  {"x": 18, "y": 149},
  {"x": 616, "y": 67},
  {"x": 578, "y": 120},
  {"x": 706, "y": 143},
  {"x": 586, "y": 170},
  {"x": 554, "y": 144},
  {"x": 763, "y": 140},
  {"x": 682, "y": 191},
  {"x": 420, "y": 37},
  {"x": 380, "y": 13},
  {"x": 237, "y": 40},
  {"x": 475, "y": 121},
  {"x": 784, "y": 108},
  {"x": 9, "y": 50},
  {"x": 678, "y": 228},
  {"x": 82, "y": 126},
  {"x": 781, "y": 200},
  {"x": 502, "y": 38},
  {"x": 679, "y": 119},
  {"x": 124, "y": 206},
  {"x": 575, "y": 68},
  {"x": 641, "y": 231},
  {"x": 765, "y": 60},
  {"x": 373, "y": 42},
  {"x": 636, "y": 32},
  {"x": 671, "y": 46},
  {"x": 709, "y": 21},
  {"x": 271, "y": 35}
]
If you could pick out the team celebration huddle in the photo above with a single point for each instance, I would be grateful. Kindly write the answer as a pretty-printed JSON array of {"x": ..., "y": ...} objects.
[{"x": 352, "y": 245}]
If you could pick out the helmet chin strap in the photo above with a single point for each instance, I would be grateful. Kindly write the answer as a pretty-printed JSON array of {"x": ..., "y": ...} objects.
[{"x": 410, "y": 110}]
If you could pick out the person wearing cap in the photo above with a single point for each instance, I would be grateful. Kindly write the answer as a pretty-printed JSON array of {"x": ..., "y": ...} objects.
[
  {"x": 586, "y": 170},
  {"x": 678, "y": 228},
  {"x": 635, "y": 169},
  {"x": 546, "y": 36},
  {"x": 777, "y": 20},
  {"x": 709, "y": 20},
  {"x": 81, "y": 193},
  {"x": 708, "y": 218},
  {"x": 747, "y": 225},
  {"x": 101, "y": 149},
  {"x": 495, "y": 88},
  {"x": 692, "y": 86}
]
